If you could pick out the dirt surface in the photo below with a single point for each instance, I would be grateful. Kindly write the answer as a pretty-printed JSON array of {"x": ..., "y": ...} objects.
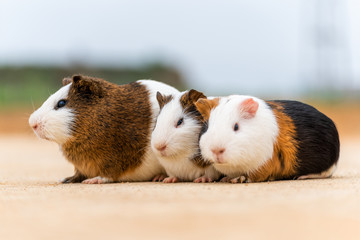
[{"x": 34, "y": 206}]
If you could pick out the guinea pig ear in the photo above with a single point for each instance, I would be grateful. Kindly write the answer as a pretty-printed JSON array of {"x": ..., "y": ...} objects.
[
  {"x": 189, "y": 98},
  {"x": 204, "y": 106},
  {"x": 66, "y": 81},
  {"x": 87, "y": 86},
  {"x": 163, "y": 99},
  {"x": 249, "y": 108},
  {"x": 195, "y": 95}
]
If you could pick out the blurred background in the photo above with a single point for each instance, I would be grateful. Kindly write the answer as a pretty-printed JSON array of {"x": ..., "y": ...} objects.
[
  {"x": 307, "y": 50},
  {"x": 301, "y": 49}
]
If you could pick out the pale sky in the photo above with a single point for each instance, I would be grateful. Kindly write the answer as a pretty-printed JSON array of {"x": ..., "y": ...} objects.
[{"x": 224, "y": 46}]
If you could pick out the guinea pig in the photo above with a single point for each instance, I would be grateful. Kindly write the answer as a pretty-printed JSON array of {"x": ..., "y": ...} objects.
[
  {"x": 103, "y": 129},
  {"x": 175, "y": 139},
  {"x": 251, "y": 140}
]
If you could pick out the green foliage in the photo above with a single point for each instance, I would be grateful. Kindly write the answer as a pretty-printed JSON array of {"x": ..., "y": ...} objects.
[{"x": 23, "y": 86}]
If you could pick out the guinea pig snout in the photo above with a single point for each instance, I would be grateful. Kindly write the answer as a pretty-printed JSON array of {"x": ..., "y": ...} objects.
[
  {"x": 218, "y": 153},
  {"x": 160, "y": 146},
  {"x": 36, "y": 125}
]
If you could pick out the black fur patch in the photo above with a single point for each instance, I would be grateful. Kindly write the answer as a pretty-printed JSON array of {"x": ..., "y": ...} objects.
[
  {"x": 204, "y": 129},
  {"x": 317, "y": 137},
  {"x": 281, "y": 159}
]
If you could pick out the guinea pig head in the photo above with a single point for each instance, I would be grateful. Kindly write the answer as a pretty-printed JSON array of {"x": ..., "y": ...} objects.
[
  {"x": 178, "y": 125},
  {"x": 236, "y": 133},
  {"x": 54, "y": 120}
]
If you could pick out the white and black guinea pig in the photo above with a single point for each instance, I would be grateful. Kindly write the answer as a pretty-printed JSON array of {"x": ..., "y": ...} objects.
[
  {"x": 175, "y": 139},
  {"x": 252, "y": 140},
  {"x": 103, "y": 129}
]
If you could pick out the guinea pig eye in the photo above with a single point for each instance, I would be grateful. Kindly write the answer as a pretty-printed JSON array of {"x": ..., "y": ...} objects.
[
  {"x": 236, "y": 127},
  {"x": 61, "y": 104},
  {"x": 181, "y": 120}
]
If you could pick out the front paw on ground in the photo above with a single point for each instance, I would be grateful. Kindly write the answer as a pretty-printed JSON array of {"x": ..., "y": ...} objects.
[
  {"x": 171, "y": 180},
  {"x": 77, "y": 178},
  {"x": 96, "y": 180},
  {"x": 66, "y": 180},
  {"x": 241, "y": 179},
  {"x": 203, "y": 180},
  {"x": 159, "y": 178},
  {"x": 225, "y": 180}
]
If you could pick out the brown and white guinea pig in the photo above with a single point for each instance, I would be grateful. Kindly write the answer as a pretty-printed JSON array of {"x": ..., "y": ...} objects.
[
  {"x": 252, "y": 140},
  {"x": 102, "y": 128},
  {"x": 175, "y": 139}
]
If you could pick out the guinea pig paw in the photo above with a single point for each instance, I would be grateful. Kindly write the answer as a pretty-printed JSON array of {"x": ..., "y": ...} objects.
[
  {"x": 241, "y": 179},
  {"x": 203, "y": 180},
  {"x": 225, "y": 180},
  {"x": 171, "y": 180},
  {"x": 65, "y": 180},
  {"x": 159, "y": 178},
  {"x": 77, "y": 178},
  {"x": 96, "y": 180}
]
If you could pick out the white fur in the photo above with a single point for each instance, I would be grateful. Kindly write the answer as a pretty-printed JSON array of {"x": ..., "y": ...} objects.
[
  {"x": 149, "y": 168},
  {"x": 53, "y": 125},
  {"x": 154, "y": 87},
  {"x": 248, "y": 148},
  {"x": 181, "y": 142},
  {"x": 97, "y": 180}
]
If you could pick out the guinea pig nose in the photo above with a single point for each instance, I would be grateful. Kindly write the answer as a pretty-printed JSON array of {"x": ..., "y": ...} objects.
[
  {"x": 35, "y": 126},
  {"x": 218, "y": 151},
  {"x": 161, "y": 147}
]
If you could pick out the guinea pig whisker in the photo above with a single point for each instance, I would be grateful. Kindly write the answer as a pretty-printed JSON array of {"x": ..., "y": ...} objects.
[
  {"x": 142, "y": 149},
  {"x": 32, "y": 103}
]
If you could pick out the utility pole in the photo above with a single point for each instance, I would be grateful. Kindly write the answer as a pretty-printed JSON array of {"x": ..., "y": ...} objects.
[{"x": 325, "y": 61}]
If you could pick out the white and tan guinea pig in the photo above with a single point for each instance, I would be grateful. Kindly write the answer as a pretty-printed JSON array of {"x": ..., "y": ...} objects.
[
  {"x": 252, "y": 140},
  {"x": 102, "y": 128},
  {"x": 175, "y": 139}
]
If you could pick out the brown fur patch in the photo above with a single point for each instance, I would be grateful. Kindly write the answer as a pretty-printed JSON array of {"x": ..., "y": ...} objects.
[
  {"x": 111, "y": 128},
  {"x": 204, "y": 106},
  {"x": 163, "y": 99},
  {"x": 88, "y": 87},
  {"x": 283, "y": 163}
]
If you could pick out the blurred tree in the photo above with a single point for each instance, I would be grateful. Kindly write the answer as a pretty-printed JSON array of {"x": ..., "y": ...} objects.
[{"x": 26, "y": 84}]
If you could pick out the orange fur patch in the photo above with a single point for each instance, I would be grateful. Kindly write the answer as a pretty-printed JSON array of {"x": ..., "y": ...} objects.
[
  {"x": 204, "y": 106},
  {"x": 283, "y": 163}
]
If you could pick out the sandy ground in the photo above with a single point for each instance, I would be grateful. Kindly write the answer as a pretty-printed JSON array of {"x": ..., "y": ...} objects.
[{"x": 34, "y": 206}]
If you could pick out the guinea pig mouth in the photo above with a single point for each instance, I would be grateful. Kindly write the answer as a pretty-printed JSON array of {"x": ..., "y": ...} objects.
[
  {"x": 168, "y": 154},
  {"x": 39, "y": 131},
  {"x": 41, "y": 134},
  {"x": 162, "y": 153},
  {"x": 219, "y": 160},
  {"x": 222, "y": 164}
]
